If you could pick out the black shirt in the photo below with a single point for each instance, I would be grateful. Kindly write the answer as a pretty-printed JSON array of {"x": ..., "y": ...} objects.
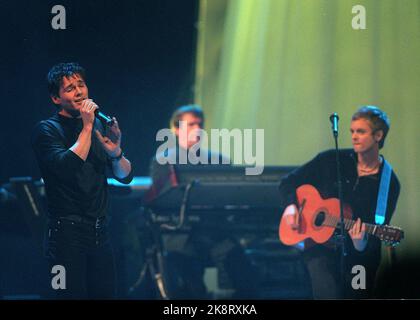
[{"x": 73, "y": 186}]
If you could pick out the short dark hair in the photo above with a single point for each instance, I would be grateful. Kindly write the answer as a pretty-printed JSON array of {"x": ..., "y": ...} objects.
[
  {"x": 57, "y": 72},
  {"x": 179, "y": 112},
  {"x": 377, "y": 118}
]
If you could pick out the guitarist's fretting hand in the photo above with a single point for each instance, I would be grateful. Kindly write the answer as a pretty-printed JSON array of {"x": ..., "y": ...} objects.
[
  {"x": 358, "y": 235},
  {"x": 292, "y": 216}
]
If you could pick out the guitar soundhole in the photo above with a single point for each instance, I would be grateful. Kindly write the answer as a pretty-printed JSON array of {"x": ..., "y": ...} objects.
[{"x": 320, "y": 218}]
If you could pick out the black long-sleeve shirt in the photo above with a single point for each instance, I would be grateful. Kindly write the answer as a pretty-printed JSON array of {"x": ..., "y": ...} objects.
[
  {"x": 360, "y": 193},
  {"x": 73, "y": 186}
]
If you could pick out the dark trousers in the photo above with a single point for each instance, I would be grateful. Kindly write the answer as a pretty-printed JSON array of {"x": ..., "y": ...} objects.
[
  {"x": 185, "y": 268},
  {"x": 85, "y": 253},
  {"x": 324, "y": 268}
]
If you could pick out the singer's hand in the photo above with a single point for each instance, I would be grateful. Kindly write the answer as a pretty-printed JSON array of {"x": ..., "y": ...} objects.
[
  {"x": 87, "y": 112},
  {"x": 111, "y": 142}
]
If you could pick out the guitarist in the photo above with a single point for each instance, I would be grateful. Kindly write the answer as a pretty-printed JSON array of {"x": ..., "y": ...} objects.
[{"x": 361, "y": 171}]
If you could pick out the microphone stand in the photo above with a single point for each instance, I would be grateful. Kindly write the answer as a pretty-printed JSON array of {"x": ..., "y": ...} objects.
[
  {"x": 182, "y": 210},
  {"x": 341, "y": 239}
]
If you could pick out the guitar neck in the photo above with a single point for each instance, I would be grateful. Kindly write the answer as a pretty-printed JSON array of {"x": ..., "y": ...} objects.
[{"x": 334, "y": 222}]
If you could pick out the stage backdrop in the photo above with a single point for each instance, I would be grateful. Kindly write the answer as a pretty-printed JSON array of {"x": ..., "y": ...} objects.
[{"x": 286, "y": 65}]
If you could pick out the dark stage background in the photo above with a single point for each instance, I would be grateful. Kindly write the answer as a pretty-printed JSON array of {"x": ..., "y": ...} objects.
[{"x": 138, "y": 56}]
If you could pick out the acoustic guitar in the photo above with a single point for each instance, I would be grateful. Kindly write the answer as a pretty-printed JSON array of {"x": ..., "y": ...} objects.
[{"x": 318, "y": 218}]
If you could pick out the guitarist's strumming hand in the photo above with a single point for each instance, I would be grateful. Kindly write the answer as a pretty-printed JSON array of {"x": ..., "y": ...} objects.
[
  {"x": 358, "y": 235},
  {"x": 291, "y": 214}
]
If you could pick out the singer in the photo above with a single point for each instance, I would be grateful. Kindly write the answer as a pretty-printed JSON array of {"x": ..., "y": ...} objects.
[
  {"x": 362, "y": 169},
  {"x": 73, "y": 151}
]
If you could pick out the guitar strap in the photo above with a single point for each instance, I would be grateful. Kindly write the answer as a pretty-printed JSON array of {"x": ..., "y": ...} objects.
[{"x": 383, "y": 193}]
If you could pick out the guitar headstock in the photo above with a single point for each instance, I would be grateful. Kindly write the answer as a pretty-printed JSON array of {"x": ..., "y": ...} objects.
[{"x": 392, "y": 236}]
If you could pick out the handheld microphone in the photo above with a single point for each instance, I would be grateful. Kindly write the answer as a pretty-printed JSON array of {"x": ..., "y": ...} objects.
[
  {"x": 334, "y": 121},
  {"x": 104, "y": 118}
]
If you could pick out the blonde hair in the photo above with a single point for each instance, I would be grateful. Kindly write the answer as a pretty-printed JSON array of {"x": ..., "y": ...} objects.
[{"x": 377, "y": 118}]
